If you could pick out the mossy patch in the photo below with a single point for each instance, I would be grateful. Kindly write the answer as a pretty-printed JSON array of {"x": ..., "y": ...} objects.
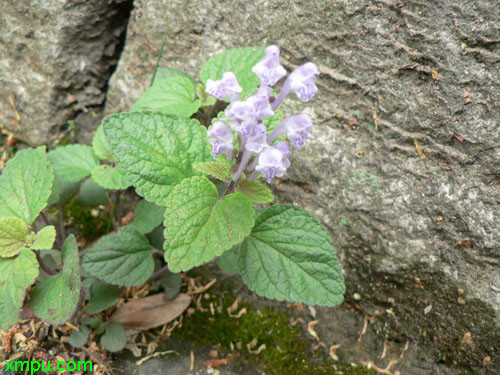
[
  {"x": 88, "y": 223},
  {"x": 288, "y": 350}
]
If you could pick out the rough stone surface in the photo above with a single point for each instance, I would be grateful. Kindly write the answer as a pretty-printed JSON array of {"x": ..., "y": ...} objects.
[
  {"x": 55, "y": 61},
  {"x": 404, "y": 164}
]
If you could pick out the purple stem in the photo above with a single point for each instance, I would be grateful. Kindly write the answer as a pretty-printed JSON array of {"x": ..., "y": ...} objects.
[
  {"x": 278, "y": 130},
  {"x": 285, "y": 90}
]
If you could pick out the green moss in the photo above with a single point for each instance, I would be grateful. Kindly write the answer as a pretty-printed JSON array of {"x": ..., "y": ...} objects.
[
  {"x": 288, "y": 350},
  {"x": 87, "y": 223}
]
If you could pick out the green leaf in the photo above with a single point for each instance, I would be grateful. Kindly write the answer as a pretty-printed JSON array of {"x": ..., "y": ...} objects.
[
  {"x": 228, "y": 262},
  {"x": 272, "y": 121},
  {"x": 100, "y": 144},
  {"x": 156, "y": 238},
  {"x": 171, "y": 284},
  {"x": 240, "y": 61},
  {"x": 55, "y": 298},
  {"x": 13, "y": 236},
  {"x": 123, "y": 258},
  {"x": 256, "y": 191},
  {"x": 16, "y": 275},
  {"x": 95, "y": 323},
  {"x": 175, "y": 95},
  {"x": 109, "y": 177},
  {"x": 92, "y": 194},
  {"x": 79, "y": 338},
  {"x": 218, "y": 170},
  {"x": 102, "y": 296},
  {"x": 156, "y": 151},
  {"x": 199, "y": 226},
  {"x": 25, "y": 185},
  {"x": 163, "y": 72},
  {"x": 206, "y": 99},
  {"x": 147, "y": 216},
  {"x": 63, "y": 192},
  {"x": 72, "y": 163},
  {"x": 289, "y": 256},
  {"x": 45, "y": 238},
  {"x": 115, "y": 337}
]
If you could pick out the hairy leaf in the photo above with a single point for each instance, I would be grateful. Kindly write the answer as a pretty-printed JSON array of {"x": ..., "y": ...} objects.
[
  {"x": 156, "y": 151},
  {"x": 164, "y": 72},
  {"x": 289, "y": 256},
  {"x": 124, "y": 258},
  {"x": 218, "y": 170},
  {"x": 240, "y": 61},
  {"x": 25, "y": 185},
  {"x": 16, "y": 275},
  {"x": 92, "y": 194},
  {"x": 109, "y": 177},
  {"x": 79, "y": 338},
  {"x": 199, "y": 226},
  {"x": 115, "y": 337},
  {"x": 13, "y": 236},
  {"x": 72, "y": 163},
  {"x": 147, "y": 216},
  {"x": 174, "y": 95},
  {"x": 100, "y": 144},
  {"x": 45, "y": 238},
  {"x": 256, "y": 191},
  {"x": 55, "y": 298},
  {"x": 228, "y": 262},
  {"x": 102, "y": 296}
]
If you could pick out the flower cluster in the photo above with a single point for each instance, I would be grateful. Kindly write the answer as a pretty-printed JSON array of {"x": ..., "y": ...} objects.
[{"x": 244, "y": 117}]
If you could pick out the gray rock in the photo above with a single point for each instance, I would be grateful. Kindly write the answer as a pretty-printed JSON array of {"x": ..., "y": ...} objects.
[
  {"x": 403, "y": 167},
  {"x": 55, "y": 61}
]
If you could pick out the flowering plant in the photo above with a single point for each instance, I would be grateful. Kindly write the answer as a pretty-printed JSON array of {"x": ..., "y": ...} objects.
[{"x": 202, "y": 195}]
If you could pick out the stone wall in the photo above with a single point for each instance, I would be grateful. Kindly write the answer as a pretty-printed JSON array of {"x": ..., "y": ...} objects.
[
  {"x": 405, "y": 161},
  {"x": 404, "y": 166},
  {"x": 55, "y": 61}
]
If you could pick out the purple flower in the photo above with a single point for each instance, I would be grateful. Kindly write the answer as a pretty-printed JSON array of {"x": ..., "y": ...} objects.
[
  {"x": 285, "y": 150},
  {"x": 302, "y": 81},
  {"x": 272, "y": 162},
  {"x": 246, "y": 114},
  {"x": 256, "y": 140},
  {"x": 269, "y": 69},
  {"x": 225, "y": 88},
  {"x": 221, "y": 138},
  {"x": 298, "y": 129}
]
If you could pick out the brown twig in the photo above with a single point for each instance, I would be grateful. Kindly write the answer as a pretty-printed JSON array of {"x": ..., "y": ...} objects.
[{"x": 43, "y": 266}]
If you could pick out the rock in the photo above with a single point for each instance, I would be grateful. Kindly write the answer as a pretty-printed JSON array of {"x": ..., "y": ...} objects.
[
  {"x": 55, "y": 61},
  {"x": 403, "y": 166}
]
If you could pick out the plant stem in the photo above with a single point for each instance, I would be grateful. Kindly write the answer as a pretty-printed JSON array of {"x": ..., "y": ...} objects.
[
  {"x": 111, "y": 211},
  {"x": 159, "y": 273},
  {"x": 43, "y": 266},
  {"x": 158, "y": 252},
  {"x": 44, "y": 218},
  {"x": 62, "y": 229}
]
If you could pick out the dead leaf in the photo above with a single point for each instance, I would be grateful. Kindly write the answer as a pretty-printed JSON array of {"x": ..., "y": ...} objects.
[
  {"x": 310, "y": 329},
  {"x": 419, "y": 149},
  {"x": 333, "y": 352},
  {"x": 153, "y": 311}
]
